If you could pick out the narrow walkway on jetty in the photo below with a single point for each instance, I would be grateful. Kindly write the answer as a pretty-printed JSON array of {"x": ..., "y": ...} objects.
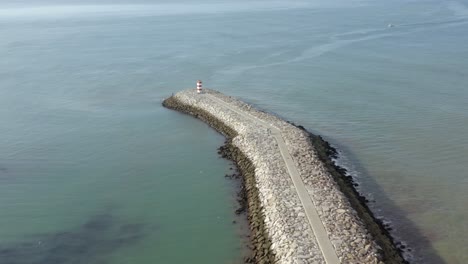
[{"x": 316, "y": 224}]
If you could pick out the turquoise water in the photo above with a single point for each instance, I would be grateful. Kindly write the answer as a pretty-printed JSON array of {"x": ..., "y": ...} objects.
[{"x": 90, "y": 162}]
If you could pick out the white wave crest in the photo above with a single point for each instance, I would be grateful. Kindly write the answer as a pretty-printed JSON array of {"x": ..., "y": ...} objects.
[{"x": 65, "y": 11}]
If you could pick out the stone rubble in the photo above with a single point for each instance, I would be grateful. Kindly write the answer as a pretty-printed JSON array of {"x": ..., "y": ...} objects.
[{"x": 292, "y": 238}]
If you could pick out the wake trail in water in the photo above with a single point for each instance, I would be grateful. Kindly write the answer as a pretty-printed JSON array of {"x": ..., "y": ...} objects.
[
  {"x": 312, "y": 52},
  {"x": 457, "y": 8},
  {"x": 452, "y": 22},
  {"x": 347, "y": 38}
]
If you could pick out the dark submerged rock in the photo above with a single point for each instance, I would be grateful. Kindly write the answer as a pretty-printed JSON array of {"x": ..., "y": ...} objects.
[{"x": 89, "y": 243}]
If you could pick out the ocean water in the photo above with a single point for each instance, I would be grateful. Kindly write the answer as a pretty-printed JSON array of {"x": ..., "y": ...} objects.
[{"x": 94, "y": 170}]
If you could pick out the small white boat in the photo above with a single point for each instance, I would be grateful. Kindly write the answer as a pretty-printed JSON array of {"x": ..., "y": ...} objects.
[{"x": 390, "y": 25}]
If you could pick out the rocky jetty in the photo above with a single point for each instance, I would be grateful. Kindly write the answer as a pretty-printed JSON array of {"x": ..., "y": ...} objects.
[{"x": 269, "y": 152}]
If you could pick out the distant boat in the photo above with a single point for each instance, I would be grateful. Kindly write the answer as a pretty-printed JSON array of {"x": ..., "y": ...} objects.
[{"x": 390, "y": 25}]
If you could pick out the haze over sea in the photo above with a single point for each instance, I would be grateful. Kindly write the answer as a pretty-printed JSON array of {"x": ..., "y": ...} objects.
[{"x": 94, "y": 170}]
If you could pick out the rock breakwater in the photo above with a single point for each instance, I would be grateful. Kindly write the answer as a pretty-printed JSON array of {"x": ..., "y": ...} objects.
[{"x": 277, "y": 161}]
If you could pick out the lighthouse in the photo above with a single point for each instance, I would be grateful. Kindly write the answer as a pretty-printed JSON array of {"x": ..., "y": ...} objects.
[{"x": 199, "y": 86}]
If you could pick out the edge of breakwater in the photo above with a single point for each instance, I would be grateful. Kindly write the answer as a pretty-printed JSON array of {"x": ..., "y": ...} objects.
[{"x": 390, "y": 253}]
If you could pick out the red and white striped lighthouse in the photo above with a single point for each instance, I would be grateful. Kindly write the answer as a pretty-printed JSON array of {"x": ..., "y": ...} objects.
[{"x": 199, "y": 86}]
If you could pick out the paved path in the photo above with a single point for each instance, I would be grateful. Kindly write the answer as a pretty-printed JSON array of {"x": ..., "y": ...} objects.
[{"x": 316, "y": 224}]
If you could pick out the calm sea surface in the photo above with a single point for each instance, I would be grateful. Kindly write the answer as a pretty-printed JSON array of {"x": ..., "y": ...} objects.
[{"x": 94, "y": 170}]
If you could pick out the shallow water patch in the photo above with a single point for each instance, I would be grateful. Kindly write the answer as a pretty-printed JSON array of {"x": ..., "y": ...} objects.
[{"x": 92, "y": 242}]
